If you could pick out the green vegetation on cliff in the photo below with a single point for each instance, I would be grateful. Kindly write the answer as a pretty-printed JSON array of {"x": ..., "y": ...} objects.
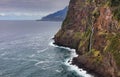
[
  {"x": 114, "y": 47},
  {"x": 92, "y": 28},
  {"x": 115, "y": 5}
]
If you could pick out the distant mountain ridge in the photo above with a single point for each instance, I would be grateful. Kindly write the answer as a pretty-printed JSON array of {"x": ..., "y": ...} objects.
[{"x": 57, "y": 16}]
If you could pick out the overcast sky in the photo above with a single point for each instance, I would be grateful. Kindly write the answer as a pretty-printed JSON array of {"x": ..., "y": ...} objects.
[{"x": 13, "y": 9}]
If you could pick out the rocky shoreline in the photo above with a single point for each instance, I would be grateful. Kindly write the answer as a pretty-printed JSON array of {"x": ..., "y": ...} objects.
[
  {"x": 74, "y": 61},
  {"x": 80, "y": 65},
  {"x": 92, "y": 28}
]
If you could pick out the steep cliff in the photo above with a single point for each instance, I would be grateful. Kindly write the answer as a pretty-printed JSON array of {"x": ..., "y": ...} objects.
[{"x": 92, "y": 27}]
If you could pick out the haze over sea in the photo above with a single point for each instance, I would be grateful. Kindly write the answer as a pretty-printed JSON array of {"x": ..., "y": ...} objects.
[{"x": 26, "y": 50}]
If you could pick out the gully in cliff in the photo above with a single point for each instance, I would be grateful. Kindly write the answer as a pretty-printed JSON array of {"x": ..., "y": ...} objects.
[{"x": 92, "y": 27}]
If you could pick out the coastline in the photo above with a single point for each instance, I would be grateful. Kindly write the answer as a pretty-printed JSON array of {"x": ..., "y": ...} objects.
[
  {"x": 80, "y": 65},
  {"x": 74, "y": 62},
  {"x": 69, "y": 61}
]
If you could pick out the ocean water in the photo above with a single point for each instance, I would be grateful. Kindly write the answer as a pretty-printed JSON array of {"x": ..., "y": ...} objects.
[{"x": 27, "y": 50}]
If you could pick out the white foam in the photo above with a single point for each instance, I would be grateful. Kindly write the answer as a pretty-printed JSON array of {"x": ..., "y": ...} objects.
[
  {"x": 58, "y": 71},
  {"x": 79, "y": 71},
  {"x": 3, "y": 54},
  {"x": 31, "y": 56},
  {"x": 67, "y": 48},
  {"x": 51, "y": 44},
  {"x": 68, "y": 61},
  {"x": 41, "y": 62},
  {"x": 75, "y": 68},
  {"x": 40, "y": 51}
]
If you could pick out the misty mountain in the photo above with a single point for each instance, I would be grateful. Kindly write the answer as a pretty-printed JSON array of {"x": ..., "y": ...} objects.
[{"x": 57, "y": 16}]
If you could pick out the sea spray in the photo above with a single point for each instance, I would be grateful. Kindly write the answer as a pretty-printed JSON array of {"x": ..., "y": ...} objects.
[{"x": 68, "y": 61}]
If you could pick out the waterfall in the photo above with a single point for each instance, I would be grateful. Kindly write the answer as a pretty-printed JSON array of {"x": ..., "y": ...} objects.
[
  {"x": 91, "y": 35},
  {"x": 90, "y": 39}
]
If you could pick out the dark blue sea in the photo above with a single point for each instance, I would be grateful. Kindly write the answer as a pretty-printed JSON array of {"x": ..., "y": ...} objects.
[{"x": 27, "y": 50}]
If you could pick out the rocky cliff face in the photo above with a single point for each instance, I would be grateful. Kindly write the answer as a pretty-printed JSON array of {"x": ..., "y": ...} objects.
[{"x": 92, "y": 27}]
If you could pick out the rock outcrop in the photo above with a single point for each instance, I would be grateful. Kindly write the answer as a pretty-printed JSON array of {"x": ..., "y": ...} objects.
[{"x": 92, "y": 27}]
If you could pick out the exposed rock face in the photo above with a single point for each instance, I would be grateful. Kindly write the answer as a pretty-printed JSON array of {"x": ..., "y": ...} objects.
[{"x": 92, "y": 28}]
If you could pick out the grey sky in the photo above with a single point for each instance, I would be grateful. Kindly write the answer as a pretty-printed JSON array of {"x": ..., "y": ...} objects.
[
  {"x": 32, "y": 5},
  {"x": 29, "y": 9}
]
